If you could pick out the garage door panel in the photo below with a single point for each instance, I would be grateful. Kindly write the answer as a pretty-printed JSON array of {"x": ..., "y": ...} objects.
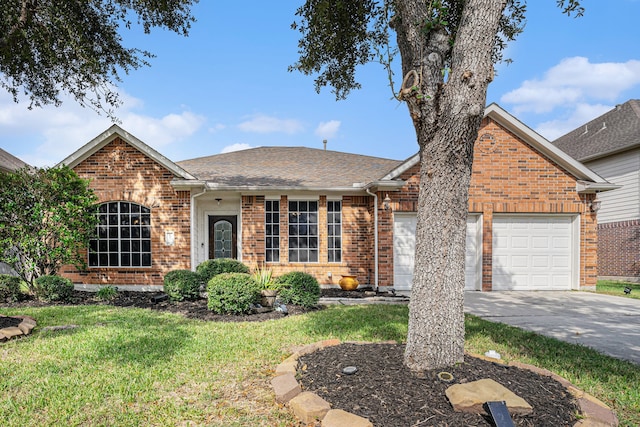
[
  {"x": 532, "y": 252},
  {"x": 404, "y": 228}
]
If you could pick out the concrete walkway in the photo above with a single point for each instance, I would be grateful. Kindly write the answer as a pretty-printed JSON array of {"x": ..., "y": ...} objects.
[{"x": 608, "y": 324}]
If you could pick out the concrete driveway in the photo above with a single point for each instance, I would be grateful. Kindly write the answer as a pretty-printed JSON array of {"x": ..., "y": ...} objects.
[{"x": 608, "y": 324}]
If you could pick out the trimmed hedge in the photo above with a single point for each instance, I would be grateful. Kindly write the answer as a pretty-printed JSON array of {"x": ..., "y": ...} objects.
[
  {"x": 299, "y": 288},
  {"x": 232, "y": 293},
  {"x": 182, "y": 285},
  {"x": 9, "y": 288},
  {"x": 212, "y": 267},
  {"x": 53, "y": 288}
]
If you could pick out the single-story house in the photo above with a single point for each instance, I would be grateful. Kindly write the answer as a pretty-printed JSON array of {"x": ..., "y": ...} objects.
[
  {"x": 531, "y": 222},
  {"x": 610, "y": 146}
]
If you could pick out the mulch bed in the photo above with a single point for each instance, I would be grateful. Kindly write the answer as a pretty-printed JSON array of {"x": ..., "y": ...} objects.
[
  {"x": 382, "y": 390},
  {"x": 386, "y": 393}
]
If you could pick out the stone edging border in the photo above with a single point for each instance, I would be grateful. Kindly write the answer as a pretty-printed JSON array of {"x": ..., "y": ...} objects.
[
  {"x": 308, "y": 407},
  {"x": 24, "y": 328}
]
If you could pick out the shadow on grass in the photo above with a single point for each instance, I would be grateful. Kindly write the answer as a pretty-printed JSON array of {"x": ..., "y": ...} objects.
[
  {"x": 358, "y": 322},
  {"x": 115, "y": 335}
]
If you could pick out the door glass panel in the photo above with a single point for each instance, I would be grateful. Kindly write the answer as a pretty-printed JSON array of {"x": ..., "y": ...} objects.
[{"x": 222, "y": 239}]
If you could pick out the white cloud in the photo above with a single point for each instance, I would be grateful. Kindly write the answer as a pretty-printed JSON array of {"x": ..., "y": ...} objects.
[
  {"x": 328, "y": 129},
  {"x": 217, "y": 128},
  {"x": 574, "y": 80},
  {"x": 236, "y": 147},
  {"x": 265, "y": 124},
  {"x": 54, "y": 133},
  {"x": 581, "y": 114}
]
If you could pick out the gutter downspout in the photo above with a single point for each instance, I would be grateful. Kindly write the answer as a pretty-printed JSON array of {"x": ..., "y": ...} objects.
[
  {"x": 193, "y": 228},
  {"x": 375, "y": 237}
]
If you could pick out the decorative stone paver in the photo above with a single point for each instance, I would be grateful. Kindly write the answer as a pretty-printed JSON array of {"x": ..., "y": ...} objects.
[
  {"x": 340, "y": 418},
  {"x": 471, "y": 397},
  {"x": 309, "y": 407},
  {"x": 23, "y": 328},
  {"x": 594, "y": 412}
]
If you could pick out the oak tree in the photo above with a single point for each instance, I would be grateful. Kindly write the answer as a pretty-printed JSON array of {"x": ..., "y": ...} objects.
[
  {"x": 75, "y": 46},
  {"x": 448, "y": 49}
]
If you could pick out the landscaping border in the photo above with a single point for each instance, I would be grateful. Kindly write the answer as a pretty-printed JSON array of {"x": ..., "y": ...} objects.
[{"x": 308, "y": 407}]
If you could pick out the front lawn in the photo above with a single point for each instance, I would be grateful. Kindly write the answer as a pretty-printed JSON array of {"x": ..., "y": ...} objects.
[
  {"x": 611, "y": 287},
  {"x": 125, "y": 366}
]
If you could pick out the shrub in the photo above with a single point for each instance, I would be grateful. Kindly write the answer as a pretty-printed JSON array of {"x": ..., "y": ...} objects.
[
  {"x": 182, "y": 285},
  {"x": 264, "y": 278},
  {"x": 232, "y": 293},
  {"x": 53, "y": 288},
  {"x": 107, "y": 293},
  {"x": 299, "y": 288},
  {"x": 9, "y": 288},
  {"x": 212, "y": 267}
]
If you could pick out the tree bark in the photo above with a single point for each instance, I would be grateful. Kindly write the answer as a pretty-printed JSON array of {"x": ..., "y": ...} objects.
[{"x": 446, "y": 116}]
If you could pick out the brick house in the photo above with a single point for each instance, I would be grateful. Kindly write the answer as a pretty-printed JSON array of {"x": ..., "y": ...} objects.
[
  {"x": 610, "y": 146},
  {"x": 531, "y": 224}
]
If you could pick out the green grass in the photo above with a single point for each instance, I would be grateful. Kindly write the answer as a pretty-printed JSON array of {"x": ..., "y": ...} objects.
[
  {"x": 134, "y": 367},
  {"x": 611, "y": 287}
]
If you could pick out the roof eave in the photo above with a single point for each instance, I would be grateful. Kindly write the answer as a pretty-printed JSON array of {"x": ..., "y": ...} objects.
[
  {"x": 586, "y": 187},
  {"x": 537, "y": 141},
  {"x": 109, "y": 135}
]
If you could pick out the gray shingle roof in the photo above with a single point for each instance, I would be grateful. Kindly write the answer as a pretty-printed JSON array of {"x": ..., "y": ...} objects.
[
  {"x": 288, "y": 167},
  {"x": 613, "y": 132},
  {"x": 9, "y": 162}
]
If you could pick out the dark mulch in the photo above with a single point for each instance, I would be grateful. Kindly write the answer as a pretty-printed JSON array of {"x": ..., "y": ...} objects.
[
  {"x": 7, "y": 322},
  {"x": 386, "y": 393},
  {"x": 191, "y": 309},
  {"x": 382, "y": 389}
]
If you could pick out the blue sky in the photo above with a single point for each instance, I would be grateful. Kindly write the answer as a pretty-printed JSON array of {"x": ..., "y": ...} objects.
[{"x": 226, "y": 86}]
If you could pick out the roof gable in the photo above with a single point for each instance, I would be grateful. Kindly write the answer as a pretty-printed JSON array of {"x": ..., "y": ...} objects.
[
  {"x": 9, "y": 162},
  {"x": 615, "y": 131},
  {"x": 112, "y": 133},
  {"x": 530, "y": 137}
]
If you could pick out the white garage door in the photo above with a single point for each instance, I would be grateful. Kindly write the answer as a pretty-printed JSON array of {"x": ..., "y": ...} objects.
[
  {"x": 532, "y": 252},
  {"x": 404, "y": 244}
]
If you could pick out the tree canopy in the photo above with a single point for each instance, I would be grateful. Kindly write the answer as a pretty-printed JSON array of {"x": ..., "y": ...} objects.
[
  {"x": 76, "y": 47},
  {"x": 47, "y": 217}
]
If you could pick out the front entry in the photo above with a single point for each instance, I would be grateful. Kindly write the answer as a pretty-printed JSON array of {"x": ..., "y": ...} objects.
[{"x": 222, "y": 236}]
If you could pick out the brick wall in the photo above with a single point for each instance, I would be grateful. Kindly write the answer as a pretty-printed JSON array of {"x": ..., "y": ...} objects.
[
  {"x": 619, "y": 249},
  {"x": 508, "y": 177},
  {"x": 119, "y": 172},
  {"x": 357, "y": 241}
]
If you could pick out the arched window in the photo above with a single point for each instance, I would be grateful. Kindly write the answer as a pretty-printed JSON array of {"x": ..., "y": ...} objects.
[{"x": 123, "y": 236}]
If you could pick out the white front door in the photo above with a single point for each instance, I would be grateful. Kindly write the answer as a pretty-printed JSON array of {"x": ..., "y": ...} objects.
[
  {"x": 404, "y": 246},
  {"x": 533, "y": 252}
]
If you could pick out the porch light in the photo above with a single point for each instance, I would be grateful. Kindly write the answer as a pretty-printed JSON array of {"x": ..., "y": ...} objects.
[
  {"x": 218, "y": 199},
  {"x": 595, "y": 205},
  {"x": 386, "y": 202}
]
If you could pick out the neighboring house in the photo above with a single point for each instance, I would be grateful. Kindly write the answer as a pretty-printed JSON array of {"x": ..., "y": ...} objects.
[
  {"x": 530, "y": 223},
  {"x": 610, "y": 146},
  {"x": 9, "y": 163}
]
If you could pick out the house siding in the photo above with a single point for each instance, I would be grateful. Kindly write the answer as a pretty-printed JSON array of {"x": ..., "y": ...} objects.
[
  {"x": 508, "y": 177},
  {"x": 622, "y": 204},
  {"x": 619, "y": 216},
  {"x": 119, "y": 172}
]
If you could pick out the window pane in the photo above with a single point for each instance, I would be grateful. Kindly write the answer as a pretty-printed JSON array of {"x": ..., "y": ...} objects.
[
  {"x": 313, "y": 256},
  {"x": 113, "y": 260},
  {"x": 146, "y": 260},
  {"x": 146, "y": 246},
  {"x": 135, "y": 260},
  {"x": 93, "y": 260},
  {"x": 124, "y": 207},
  {"x": 125, "y": 260}
]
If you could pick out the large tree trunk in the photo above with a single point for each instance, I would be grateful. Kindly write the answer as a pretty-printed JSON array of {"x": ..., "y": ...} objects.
[{"x": 446, "y": 115}]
